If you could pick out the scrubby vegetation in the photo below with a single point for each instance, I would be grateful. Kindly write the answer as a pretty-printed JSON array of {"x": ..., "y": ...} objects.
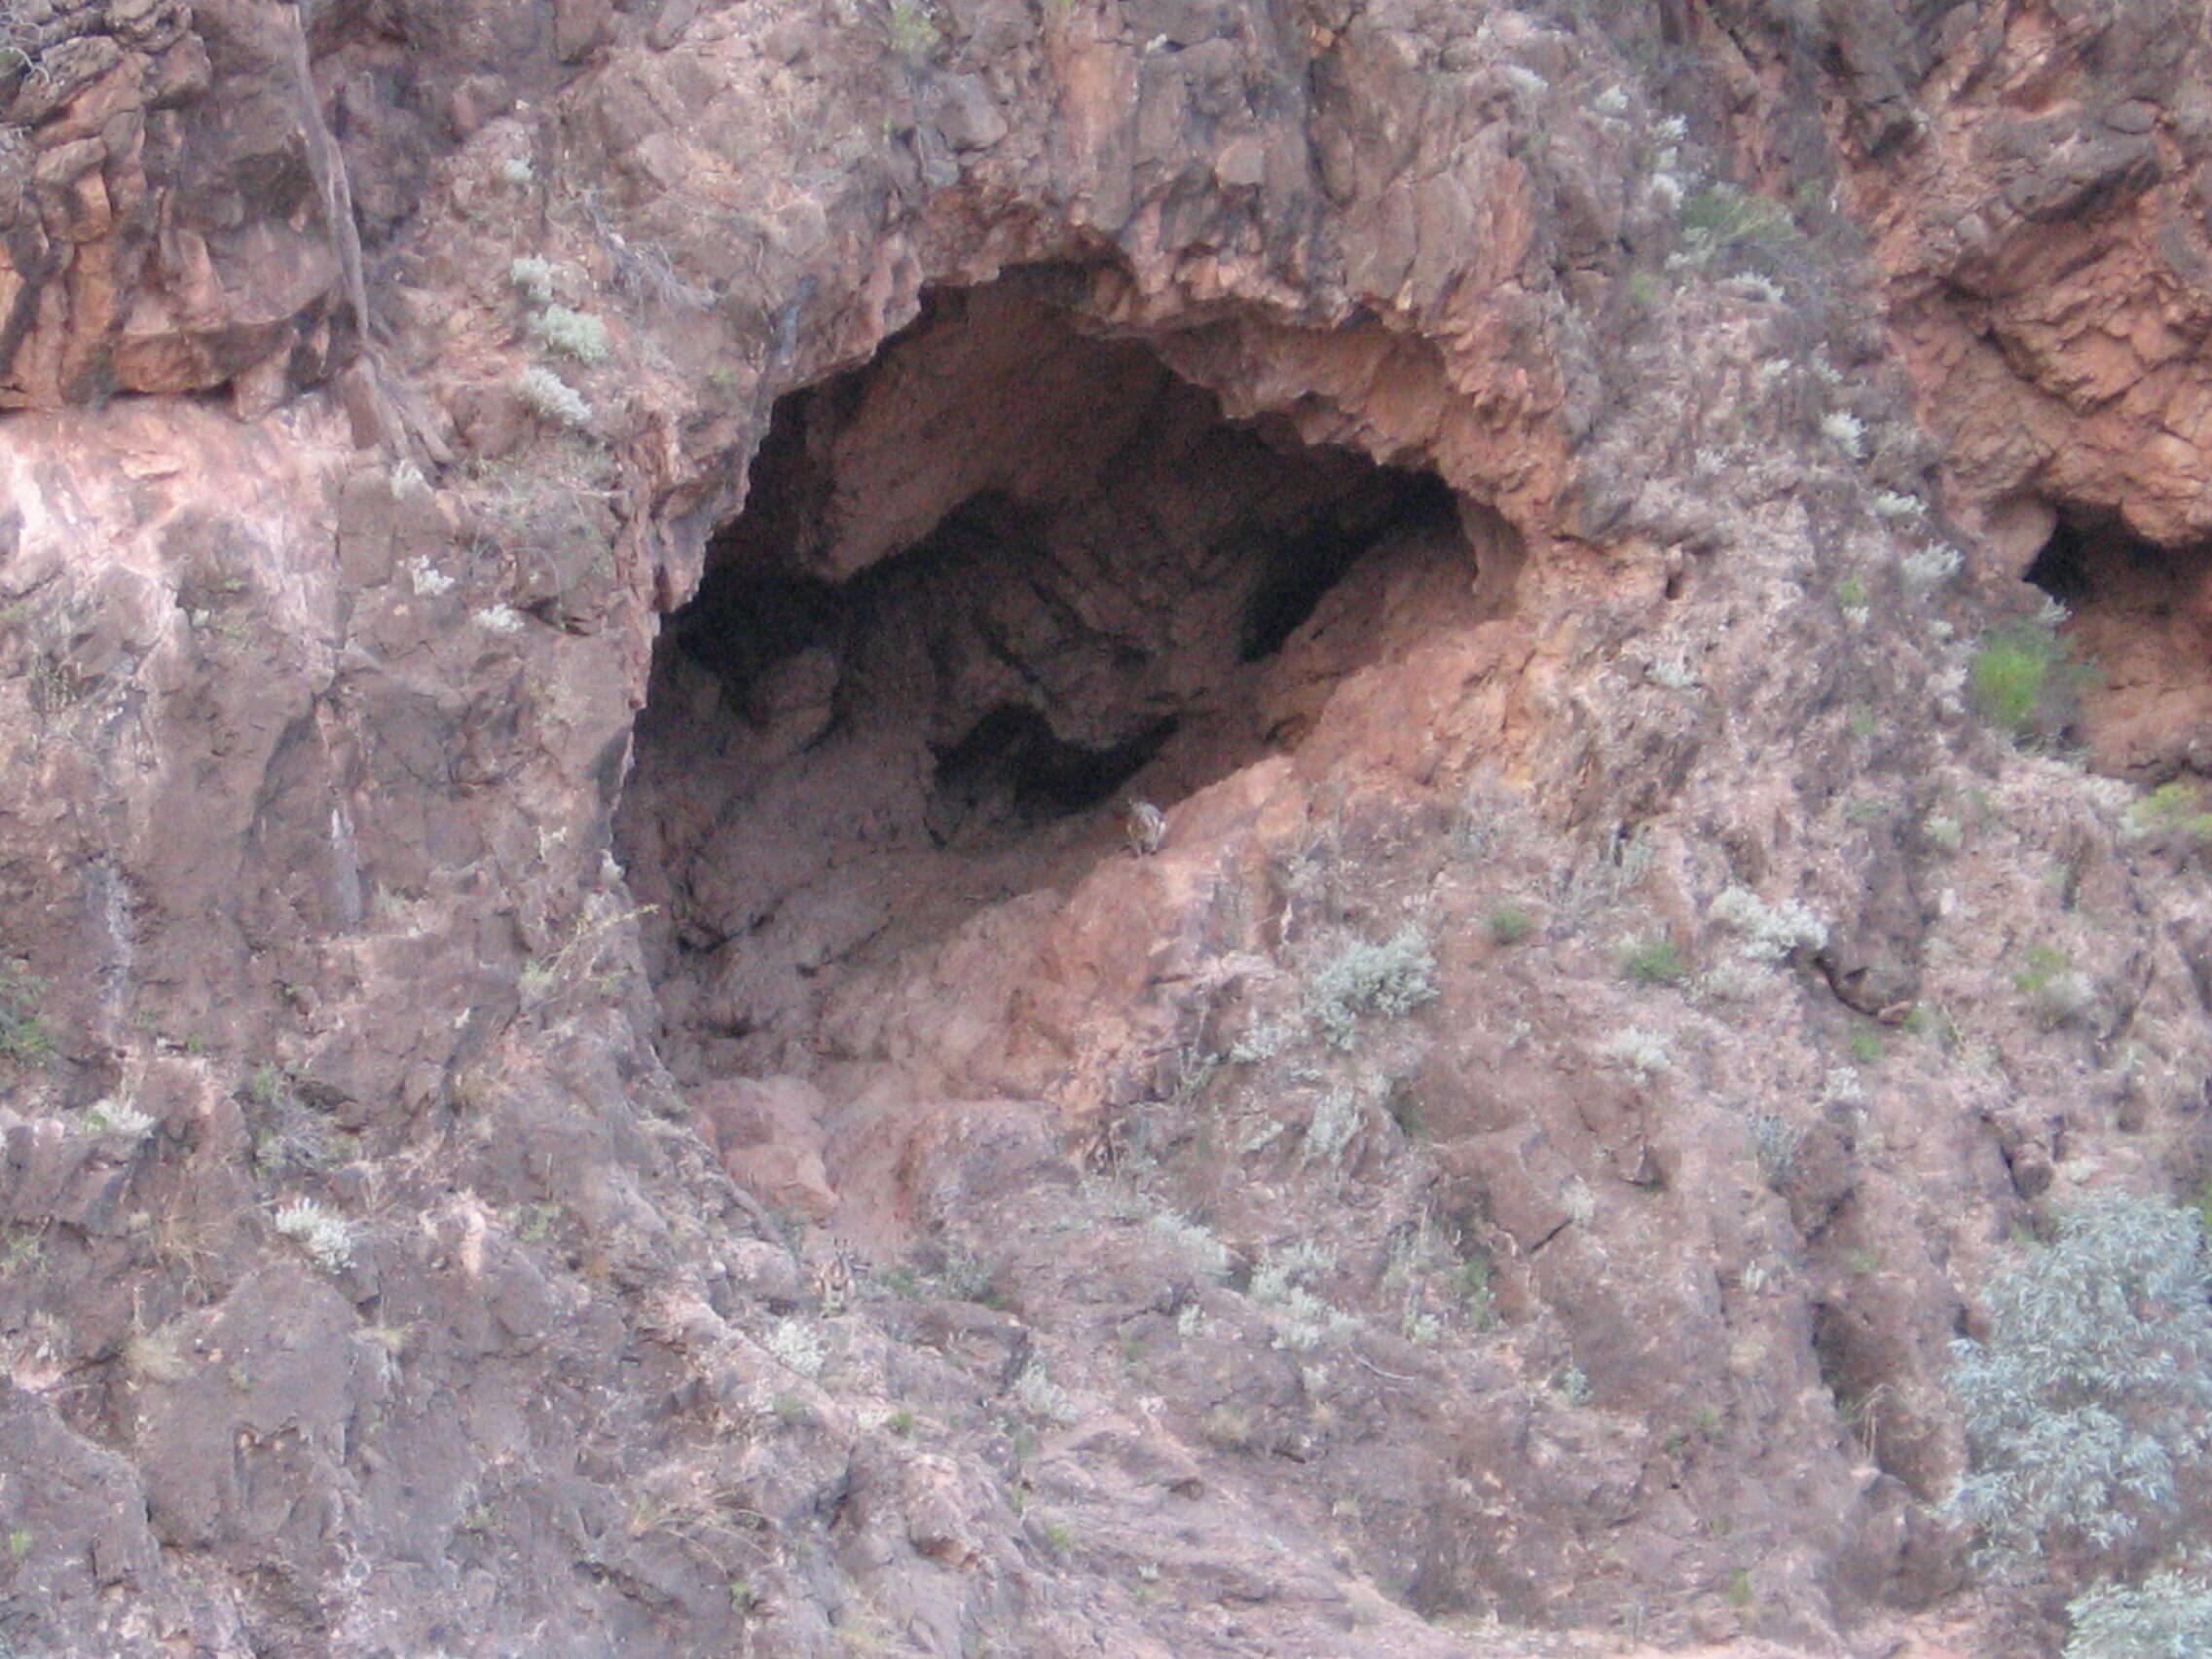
[
  {"x": 2012, "y": 675},
  {"x": 1393, "y": 977},
  {"x": 24, "y": 1035},
  {"x": 2089, "y": 1412}
]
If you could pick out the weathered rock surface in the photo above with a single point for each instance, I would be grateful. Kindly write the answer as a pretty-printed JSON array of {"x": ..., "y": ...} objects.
[{"x": 586, "y": 591}]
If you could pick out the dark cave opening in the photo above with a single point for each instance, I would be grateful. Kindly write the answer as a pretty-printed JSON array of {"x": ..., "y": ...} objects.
[
  {"x": 2071, "y": 566},
  {"x": 1010, "y": 765},
  {"x": 2139, "y": 620},
  {"x": 986, "y": 590}
]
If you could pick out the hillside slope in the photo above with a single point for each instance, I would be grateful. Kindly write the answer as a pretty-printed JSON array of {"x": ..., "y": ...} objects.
[{"x": 596, "y": 1054}]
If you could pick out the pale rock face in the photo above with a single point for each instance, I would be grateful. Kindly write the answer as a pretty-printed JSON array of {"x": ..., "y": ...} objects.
[{"x": 584, "y": 1065}]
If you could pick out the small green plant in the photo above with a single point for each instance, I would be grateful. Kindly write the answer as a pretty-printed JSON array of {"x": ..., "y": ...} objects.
[
  {"x": 1336, "y": 1122},
  {"x": 322, "y": 1233},
  {"x": 1643, "y": 1053},
  {"x": 1478, "y": 1301},
  {"x": 23, "y": 1036},
  {"x": 1229, "y": 1427},
  {"x": 2176, "y": 807},
  {"x": 1303, "y": 1319},
  {"x": 1721, "y": 217},
  {"x": 900, "y": 1284},
  {"x": 1419, "y": 1325},
  {"x": 789, "y": 1409},
  {"x": 1775, "y": 1144},
  {"x": 744, "y": 1600},
  {"x": 2055, "y": 993},
  {"x": 1393, "y": 977},
  {"x": 914, "y": 32},
  {"x": 2012, "y": 674},
  {"x": 1740, "y": 1588},
  {"x": 972, "y": 1278},
  {"x": 1867, "y": 1048},
  {"x": 1857, "y": 1413},
  {"x": 1509, "y": 925},
  {"x": 553, "y": 398},
  {"x": 2044, "y": 963},
  {"x": 796, "y": 1344},
  {"x": 1060, "y": 1536},
  {"x": 1733, "y": 226},
  {"x": 26, "y": 1248},
  {"x": 1844, "y": 429},
  {"x": 120, "y": 1119},
  {"x": 1866, "y": 809},
  {"x": 1042, "y": 1397},
  {"x": 1207, "y": 1252},
  {"x": 19, "y": 1541},
  {"x": 900, "y": 1422},
  {"x": 534, "y": 277},
  {"x": 1769, "y": 933},
  {"x": 574, "y": 334},
  {"x": 1653, "y": 960}
]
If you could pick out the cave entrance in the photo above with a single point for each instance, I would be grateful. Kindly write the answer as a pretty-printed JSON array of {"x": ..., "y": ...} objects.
[
  {"x": 986, "y": 590},
  {"x": 2141, "y": 616}
]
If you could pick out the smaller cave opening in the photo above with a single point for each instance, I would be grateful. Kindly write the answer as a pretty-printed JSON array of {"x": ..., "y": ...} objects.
[
  {"x": 1011, "y": 772},
  {"x": 985, "y": 591},
  {"x": 2139, "y": 623},
  {"x": 1296, "y": 571}
]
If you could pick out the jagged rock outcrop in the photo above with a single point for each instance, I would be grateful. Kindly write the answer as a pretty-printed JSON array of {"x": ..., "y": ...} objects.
[{"x": 174, "y": 215}]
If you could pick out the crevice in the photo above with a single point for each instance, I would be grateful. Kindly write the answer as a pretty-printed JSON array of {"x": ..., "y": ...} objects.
[{"x": 1010, "y": 773}]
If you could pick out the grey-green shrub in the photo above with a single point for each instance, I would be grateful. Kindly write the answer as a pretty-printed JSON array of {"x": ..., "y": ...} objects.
[
  {"x": 2166, "y": 1617},
  {"x": 578, "y": 334},
  {"x": 1775, "y": 1143},
  {"x": 533, "y": 277},
  {"x": 2092, "y": 1396},
  {"x": 1394, "y": 978},
  {"x": 553, "y": 397}
]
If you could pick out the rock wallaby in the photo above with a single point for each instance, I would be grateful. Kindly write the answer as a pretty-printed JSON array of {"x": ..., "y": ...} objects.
[{"x": 1146, "y": 827}]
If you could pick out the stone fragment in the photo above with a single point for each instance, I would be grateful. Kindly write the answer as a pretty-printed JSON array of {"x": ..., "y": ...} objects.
[
  {"x": 768, "y": 1135},
  {"x": 968, "y": 116}
]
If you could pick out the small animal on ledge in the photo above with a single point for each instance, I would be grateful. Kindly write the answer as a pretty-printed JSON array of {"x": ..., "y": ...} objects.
[{"x": 1146, "y": 827}]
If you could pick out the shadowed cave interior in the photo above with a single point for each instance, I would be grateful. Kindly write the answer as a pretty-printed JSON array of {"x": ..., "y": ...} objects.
[
  {"x": 986, "y": 589},
  {"x": 2140, "y": 627}
]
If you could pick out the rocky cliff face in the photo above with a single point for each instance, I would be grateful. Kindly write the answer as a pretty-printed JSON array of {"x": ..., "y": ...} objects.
[{"x": 592, "y": 1063}]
